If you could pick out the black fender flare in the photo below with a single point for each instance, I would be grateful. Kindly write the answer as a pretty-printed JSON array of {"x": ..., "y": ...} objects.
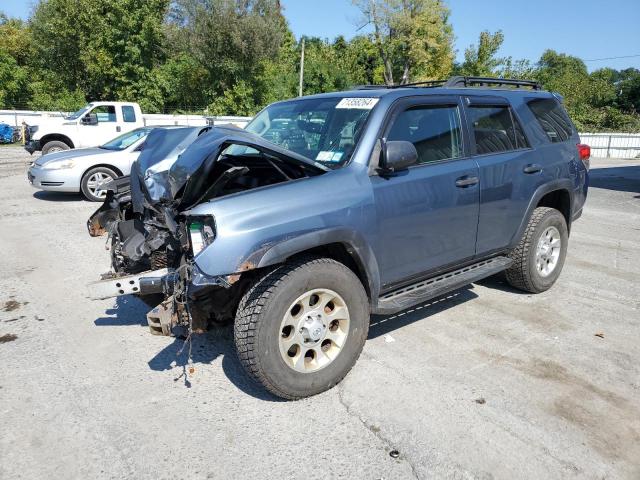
[
  {"x": 353, "y": 241},
  {"x": 541, "y": 191}
]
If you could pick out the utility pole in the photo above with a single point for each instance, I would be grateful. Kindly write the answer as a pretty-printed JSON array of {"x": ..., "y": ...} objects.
[{"x": 301, "y": 69}]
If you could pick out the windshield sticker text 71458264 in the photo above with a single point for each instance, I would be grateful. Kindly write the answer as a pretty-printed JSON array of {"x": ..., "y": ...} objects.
[{"x": 358, "y": 103}]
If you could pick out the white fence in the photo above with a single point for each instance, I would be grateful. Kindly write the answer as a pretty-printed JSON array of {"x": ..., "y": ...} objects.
[
  {"x": 16, "y": 117},
  {"x": 616, "y": 145}
]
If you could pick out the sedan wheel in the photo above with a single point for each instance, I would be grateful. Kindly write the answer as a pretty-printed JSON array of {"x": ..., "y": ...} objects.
[{"x": 93, "y": 182}]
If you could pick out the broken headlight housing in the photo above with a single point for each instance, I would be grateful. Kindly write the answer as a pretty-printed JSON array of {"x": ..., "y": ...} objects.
[{"x": 201, "y": 233}]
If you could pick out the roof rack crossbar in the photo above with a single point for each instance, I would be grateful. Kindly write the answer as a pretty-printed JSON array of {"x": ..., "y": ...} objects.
[
  {"x": 424, "y": 84},
  {"x": 459, "y": 81}
]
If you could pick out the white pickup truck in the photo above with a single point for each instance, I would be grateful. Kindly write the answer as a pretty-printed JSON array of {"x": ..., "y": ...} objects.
[{"x": 92, "y": 125}]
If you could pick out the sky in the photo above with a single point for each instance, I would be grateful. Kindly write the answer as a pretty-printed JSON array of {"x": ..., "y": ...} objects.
[{"x": 588, "y": 29}]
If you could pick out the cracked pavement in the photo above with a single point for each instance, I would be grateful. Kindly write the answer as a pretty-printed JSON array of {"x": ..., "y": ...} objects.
[{"x": 483, "y": 383}]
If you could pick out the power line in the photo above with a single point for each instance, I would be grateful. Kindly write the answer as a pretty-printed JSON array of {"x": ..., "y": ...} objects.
[{"x": 612, "y": 58}]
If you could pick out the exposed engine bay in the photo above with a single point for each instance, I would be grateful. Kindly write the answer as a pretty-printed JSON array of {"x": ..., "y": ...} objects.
[{"x": 153, "y": 242}]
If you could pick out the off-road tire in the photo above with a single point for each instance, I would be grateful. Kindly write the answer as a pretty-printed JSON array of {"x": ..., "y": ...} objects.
[
  {"x": 55, "y": 145},
  {"x": 523, "y": 273},
  {"x": 260, "y": 312},
  {"x": 85, "y": 179}
]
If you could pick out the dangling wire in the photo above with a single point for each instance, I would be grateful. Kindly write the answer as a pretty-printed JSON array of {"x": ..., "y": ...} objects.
[{"x": 185, "y": 303}]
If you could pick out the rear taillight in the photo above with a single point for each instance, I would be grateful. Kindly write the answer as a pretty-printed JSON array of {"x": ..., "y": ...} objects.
[{"x": 584, "y": 152}]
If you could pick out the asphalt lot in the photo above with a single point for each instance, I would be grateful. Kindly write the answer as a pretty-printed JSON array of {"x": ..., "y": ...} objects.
[{"x": 485, "y": 383}]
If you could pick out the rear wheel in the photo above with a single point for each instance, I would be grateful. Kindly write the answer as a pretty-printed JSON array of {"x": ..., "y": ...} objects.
[
  {"x": 301, "y": 327},
  {"x": 539, "y": 257},
  {"x": 54, "y": 146},
  {"x": 93, "y": 181}
]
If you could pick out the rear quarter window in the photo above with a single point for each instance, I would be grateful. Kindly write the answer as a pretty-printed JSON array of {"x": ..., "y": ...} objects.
[
  {"x": 552, "y": 118},
  {"x": 128, "y": 114}
]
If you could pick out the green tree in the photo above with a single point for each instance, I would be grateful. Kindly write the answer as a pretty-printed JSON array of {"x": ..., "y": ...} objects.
[
  {"x": 231, "y": 39},
  {"x": 481, "y": 60},
  {"x": 15, "y": 39},
  {"x": 413, "y": 37},
  {"x": 107, "y": 49},
  {"x": 628, "y": 86},
  {"x": 14, "y": 58},
  {"x": 325, "y": 69},
  {"x": 592, "y": 100},
  {"x": 13, "y": 83}
]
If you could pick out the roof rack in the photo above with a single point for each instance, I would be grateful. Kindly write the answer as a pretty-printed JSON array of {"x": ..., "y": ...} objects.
[
  {"x": 488, "y": 81},
  {"x": 460, "y": 81},
  {"x": 424, "y": 84}
]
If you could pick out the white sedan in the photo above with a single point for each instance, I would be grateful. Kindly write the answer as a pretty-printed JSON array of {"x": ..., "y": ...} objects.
[{"x": 87, "y": 169}]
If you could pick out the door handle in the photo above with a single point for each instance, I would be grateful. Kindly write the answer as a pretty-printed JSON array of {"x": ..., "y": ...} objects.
[
  {"x": 118, "y": 128},
  {"x": 464, "y": 182},
  {"x": 532, "y": 168}
]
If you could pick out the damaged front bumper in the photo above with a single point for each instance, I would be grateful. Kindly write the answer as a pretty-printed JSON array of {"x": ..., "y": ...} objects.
[
  {"x": 190, "y": 298},
  {"x": 145, "y": 283}
]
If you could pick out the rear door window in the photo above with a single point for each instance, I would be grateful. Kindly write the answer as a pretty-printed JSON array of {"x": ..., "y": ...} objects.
[
  {"x": 552, "y": 118},
  {"x": 128, "y": 114},
  {"x": 496, "y": 129},
  {"x": 433, "y": 129}
]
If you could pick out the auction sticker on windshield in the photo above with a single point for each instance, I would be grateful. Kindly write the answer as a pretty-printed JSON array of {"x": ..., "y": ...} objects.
[
  {"x": 325, "y": 156},
  {"x": 358, "y": 103}
]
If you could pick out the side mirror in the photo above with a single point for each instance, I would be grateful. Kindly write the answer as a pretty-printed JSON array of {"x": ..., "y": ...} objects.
[
  {"x": 398, "y": 155},
  {"x": 90, "y": 119}
]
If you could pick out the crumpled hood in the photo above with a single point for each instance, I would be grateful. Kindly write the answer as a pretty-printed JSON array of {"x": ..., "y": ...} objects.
[
  {"x": 188, "y": 175},
  {"x": 73, "y": 153},
  {"x": 161, "y": 149}
]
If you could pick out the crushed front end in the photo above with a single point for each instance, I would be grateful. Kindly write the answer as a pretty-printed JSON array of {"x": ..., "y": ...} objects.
[{"x": 154, "y": 237}]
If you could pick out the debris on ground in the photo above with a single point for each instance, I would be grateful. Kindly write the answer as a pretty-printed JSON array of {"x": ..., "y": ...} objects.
[
  {"x": 11, "y": 305},
  {"x": 599, "y": 335},
  {"x": 8, "y": 337},
  {"x": 394, "y": 453},
  {"x": 480, "y": 401},
  {"x": 389, "y": 339}
]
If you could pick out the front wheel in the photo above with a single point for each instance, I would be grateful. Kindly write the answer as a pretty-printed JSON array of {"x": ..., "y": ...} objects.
[
  {"x": 539, "y": 257},
  {"x": 54, "y": 146},
  {"x": 93, "y": 181},
  {"x": 301, "y": 327}
]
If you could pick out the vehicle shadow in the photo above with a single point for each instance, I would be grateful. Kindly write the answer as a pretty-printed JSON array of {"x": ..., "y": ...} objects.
[
  {"x": 58, "y": 196},
  {"x": 499, "y": 282},
  {"x": 204, "y": 349},
  {"x": 622, "y": 179},
  {"x": 383, "y": 324},
  {"x": 218, "y": 343},
  {"x": 127, "y": 310}
]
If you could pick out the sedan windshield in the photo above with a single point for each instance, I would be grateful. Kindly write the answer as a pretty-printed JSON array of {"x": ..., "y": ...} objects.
[
  {"x": 326, "y": 130},
  {"x": 127, "y": 139}
]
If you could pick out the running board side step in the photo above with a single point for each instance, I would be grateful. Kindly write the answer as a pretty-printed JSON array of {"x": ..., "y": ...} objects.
[{"x": 425, "y": 290}]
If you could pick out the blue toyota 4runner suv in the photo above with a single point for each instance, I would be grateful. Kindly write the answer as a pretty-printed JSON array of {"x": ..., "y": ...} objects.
[{"x": 331, "y": 207}]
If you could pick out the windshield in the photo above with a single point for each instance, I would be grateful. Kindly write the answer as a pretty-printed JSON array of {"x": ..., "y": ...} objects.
[
  {"x": 326, "y": 130},
  {"x": 126, "y": 140},
  {"x": 79, "y": 113}
]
